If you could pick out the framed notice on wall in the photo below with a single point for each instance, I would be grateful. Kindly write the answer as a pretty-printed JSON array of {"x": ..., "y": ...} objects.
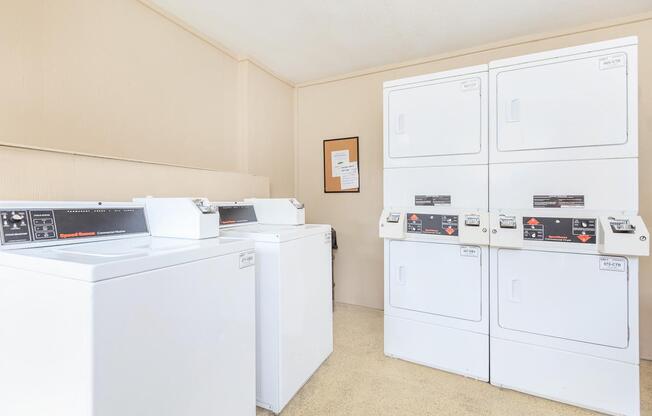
[{"x": 341, "y": 165}]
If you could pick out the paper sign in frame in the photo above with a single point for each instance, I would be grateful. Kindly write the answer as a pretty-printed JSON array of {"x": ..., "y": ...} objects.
[{"x": 332, "y": 184}]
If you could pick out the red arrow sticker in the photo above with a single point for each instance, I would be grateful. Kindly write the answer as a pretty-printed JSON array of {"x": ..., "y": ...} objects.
[
  {"x": 533, "y": 221},
  {"x": 584, "y": 238},
  {"x": 450, "y": 230},
  {"x": 414, "y": 217}
]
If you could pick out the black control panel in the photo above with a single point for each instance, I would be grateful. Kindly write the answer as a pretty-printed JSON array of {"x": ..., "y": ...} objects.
[
  {"x": 237, "y": 214},
  {"x": 560, "y": 230},
  {"x": 433, "y": 224},
  {"x": 37, "y": 225}
]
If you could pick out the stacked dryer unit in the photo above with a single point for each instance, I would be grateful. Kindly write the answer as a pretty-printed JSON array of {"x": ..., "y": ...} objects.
[
  {"x": 435, "y": 222},
  {"x": 565, "y": 232}
]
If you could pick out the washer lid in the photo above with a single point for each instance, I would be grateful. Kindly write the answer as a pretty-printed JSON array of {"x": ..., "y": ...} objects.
[
  {"x": 96, "y": 261},
  {"x": 275, "y": 233}
]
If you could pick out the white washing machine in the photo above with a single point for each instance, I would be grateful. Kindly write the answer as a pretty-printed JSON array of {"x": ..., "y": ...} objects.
[
  {"x": 565, "y": 232},
  {"x": 99, "y": 318},
  {"x": 435, "y": 222},
  {"x": 294, "y": 309}
]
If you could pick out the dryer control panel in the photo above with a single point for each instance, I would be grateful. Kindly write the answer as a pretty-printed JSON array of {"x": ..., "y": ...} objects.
[
  {"x": 561, "y": 230},
  {"x": 624, "y": 235},
  {"x": 37, "y": 225},
  {"x": 434, "y": 224},
  {"x": 446, "y": 224}
]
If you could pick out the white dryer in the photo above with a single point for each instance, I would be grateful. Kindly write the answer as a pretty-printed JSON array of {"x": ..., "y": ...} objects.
[
  {"x": 98, "y": 318},
  {"x": 294, "y": 309},
  {"x": 437, "y": 288},
  {"x": 564, "y": 305},
  {"x": 565, "y": 231},
  {"x": 435, "y": 222}
]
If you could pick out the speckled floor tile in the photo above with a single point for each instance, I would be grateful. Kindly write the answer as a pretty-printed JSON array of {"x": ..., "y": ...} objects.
[{"x": 358, "y": 380}]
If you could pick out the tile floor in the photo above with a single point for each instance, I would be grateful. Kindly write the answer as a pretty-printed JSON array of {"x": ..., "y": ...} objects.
[{"x": 358, "y": 380}]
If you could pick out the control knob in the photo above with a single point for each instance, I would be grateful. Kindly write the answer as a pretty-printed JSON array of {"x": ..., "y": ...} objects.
[{"x": 17, "y": 217}]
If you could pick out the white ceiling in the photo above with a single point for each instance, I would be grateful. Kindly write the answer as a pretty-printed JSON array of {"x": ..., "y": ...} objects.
[{"x": 304, "y": 40}]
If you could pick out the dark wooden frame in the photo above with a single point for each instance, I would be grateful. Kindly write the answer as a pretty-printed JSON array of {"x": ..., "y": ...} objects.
[{"x": 357, "y": 150}]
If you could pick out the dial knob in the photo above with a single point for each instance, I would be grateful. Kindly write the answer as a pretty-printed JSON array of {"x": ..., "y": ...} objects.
[{"x": 17, "y": 217}]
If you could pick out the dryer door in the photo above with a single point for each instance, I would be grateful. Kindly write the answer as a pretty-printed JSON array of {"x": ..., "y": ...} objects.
[
  {"x": 435, "y": 123},
  {"x": 576, "y": 107},
  {"x": 579, "y": 297},
  {"x": 438, "y": 279}
]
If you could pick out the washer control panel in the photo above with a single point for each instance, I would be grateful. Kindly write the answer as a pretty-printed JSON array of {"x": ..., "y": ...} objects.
[{"x": 43, "y": 225}]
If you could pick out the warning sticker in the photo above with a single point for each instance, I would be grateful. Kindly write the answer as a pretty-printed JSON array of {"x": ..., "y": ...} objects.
[
  {"x": 431, "y": 200},
  {"x": 613, "y": 264},
  {"x": 558, "y": 201}
]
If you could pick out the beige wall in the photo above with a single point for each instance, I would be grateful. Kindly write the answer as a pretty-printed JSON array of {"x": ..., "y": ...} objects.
[
  {"x": 40, "y": 175},
  {"x": 269, "y": 128},
  {"x": 112, "y": 77},
  {"x": 116, "y": 78},
  {"x": 353, "y": 107}
]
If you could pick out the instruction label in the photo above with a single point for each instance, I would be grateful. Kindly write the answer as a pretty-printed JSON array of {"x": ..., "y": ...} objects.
[
  {"x": 431, "y": 200},
  {"x": 558, "y": 201}
]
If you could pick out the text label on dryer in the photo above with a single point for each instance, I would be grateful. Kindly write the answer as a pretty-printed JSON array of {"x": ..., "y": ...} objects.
[
  {"x": 613, "y": 264},
  {"x": 469, "y": 251},
  {"x": 431, "y": 200},
  {"x": 247, "y": 259},
  {"x": 558, "y": 201}
]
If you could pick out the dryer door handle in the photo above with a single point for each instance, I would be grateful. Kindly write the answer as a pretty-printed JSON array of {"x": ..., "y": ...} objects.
[
  {"x": 515, "y": 290},
  {"x": 513, "y": 111},
  {"x": 400, "y": 275}
]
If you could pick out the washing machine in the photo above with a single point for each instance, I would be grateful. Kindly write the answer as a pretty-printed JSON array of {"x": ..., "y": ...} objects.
[
  {"x": 565, "y": 230},
  {"x": 99, "y": 318},
  {"x": 294, "y": 309},
  {"x": 435, "y": 221}
]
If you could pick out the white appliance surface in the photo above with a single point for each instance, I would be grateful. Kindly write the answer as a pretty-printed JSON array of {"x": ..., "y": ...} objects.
[
  {"x": 439, "y": 279},
  {"x": 278, "y": 210},
  {"x": 437, "y": 119},
  {"x": 576, "y": 103},
  {"x": 170, "y": 329},
  {"x": 464, "y": 186},
  {"x": 564, "y": 325},
  {"x": 276, "y": 233},
  {"x": 99, "y": 260},
  {"x": 294, "y": 318},
  {"x": 563, "y": 295},
  {"x": 610, "y": 184},
  {"x": 437, "y": 304}
]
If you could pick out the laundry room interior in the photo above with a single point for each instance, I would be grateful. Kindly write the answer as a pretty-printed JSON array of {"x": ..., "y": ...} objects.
[{"x": 325, "y": 208}]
